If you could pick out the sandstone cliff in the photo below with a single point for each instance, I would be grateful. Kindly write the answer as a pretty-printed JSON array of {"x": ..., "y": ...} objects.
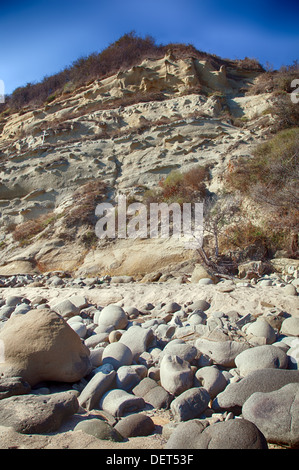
[{"x": 94, "y": 133}]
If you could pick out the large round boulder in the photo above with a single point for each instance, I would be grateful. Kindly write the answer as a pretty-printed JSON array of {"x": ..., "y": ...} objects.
[
  {"x": 41, "y": 346},
  {"x": 114, "y": 316}
]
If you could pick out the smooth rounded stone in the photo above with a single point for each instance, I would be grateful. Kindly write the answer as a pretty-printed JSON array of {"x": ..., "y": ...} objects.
[
  {"x": 212, "y": 379},
  {"x": 262, "y": 328},
  {"x": 134, "y": 425},
  {"x": 144, "y": 387},
  {"x": 103, "y": 329},
  {"x": 113, "y": 315},
  {"x": 96, "y": 356},
  {"x": 263, "y": 380},
  {"x": 37, "y": 414},
  {"x": 172, "y": 307},
  {"x": 132, "y": 312},
  {"x": 222, "y": 353},
  {"x": 41, "y": 346},
  {"x": 205, "y": 281},
  {"x": 290, "y": 289},
  {"x": 13, "y": 301},
  {"x": 137, "y": 339},
  {"x": 114, "y": 336},
  {"x": 154, "y": 373},
  {"x": 176, "y": 375},
  {"x": 184, "y": 435},
  {"x": 6, "y": 312},
  {"x": 66, "y": 309},
  {"x": 127, "y": 377},
  {"x": 265, "y": 283},
  {"x": 95, "y": 339},
  {"x": 290, "y": 326},
  {"x": 10, "y": 386},
  {"x": 199, "y": 305},
  {"x": 196, "y": 319},
  {"x": 79, "y": 328},
  {"x": 276, "y": 414},
  {"x": 261, "y": 357},
  {"x": 293, "y": 355},
  {"x": 190, "y": 404},
  {"x": 21, "y": 309},
  {"x": 100, "y": 429},
  {"x": 74, "y": 319},
  {"x": 178, "y": 347},
  {"x": 198, "y": 313},
  {"x": 117, "y": 354},
  {"x": 96, "y": 316},
  {"x": 118, "y": 403},
  {"x": 232, "y": 434},
  {"x": 99, "y": 384},
  {"x": 158, "y": 398},
  {"x": 55, "y": 281}
]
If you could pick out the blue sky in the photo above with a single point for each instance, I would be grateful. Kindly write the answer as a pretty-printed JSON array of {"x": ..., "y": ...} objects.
[{"x": 41, "y": 37}]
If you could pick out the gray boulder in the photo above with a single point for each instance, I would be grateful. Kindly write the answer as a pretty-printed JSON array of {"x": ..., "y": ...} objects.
[
  {"x": 290, "y": 326},
  {"x": 37, "y": 414},
  {"x": 100, "y": 429},
  {"x": 96, "y": 387},
  {"x": 144, "y": 387},
  {"x": 261, "y": 328},
  {"x": 232, "y": 434},
  {"x": 178, "y": 347},
  {"x": 118, "y": 403},
  {"x": 113, "y": 315},
  {"x": 212, "y": 379},
  {"x": 262, "y": 380},
  {"x": 137, "y": 339},
  {"x": 66, "y": 309},
  {"x": 137, "y": 424},
  {"x": 117, "y": 354},
  {"x": 223, "y": 353},
  {"x": 199, "y": 305},
  {"x": 190, "y": 404},
  {"x": 276, "y": 414},
  {"x": 261, "y": 357},
  {"x": 10, "y": 386},
  {"x": 176, "y": 375},
  {"x": 127, "y": 377},
  {"x": 184, "y": 436}
]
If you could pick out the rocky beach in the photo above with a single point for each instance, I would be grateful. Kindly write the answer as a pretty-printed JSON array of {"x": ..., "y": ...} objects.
[{"x": 111, "y": 363}]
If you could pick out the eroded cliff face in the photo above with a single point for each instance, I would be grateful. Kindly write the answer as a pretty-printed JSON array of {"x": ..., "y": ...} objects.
[{"x": 93, "y": 133}]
